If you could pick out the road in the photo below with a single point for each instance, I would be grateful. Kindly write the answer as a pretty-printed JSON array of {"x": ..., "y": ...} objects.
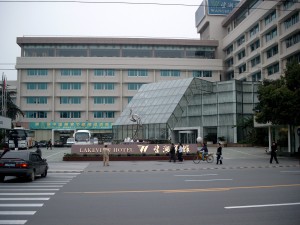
[{"x": 245, "y": 190}]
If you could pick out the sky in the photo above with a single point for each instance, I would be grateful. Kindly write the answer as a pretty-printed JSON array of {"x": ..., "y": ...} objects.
[{"x": 91, "y": 18}]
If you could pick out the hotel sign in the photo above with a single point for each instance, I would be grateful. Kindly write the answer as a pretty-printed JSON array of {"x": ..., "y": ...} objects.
[
  {"x": 221, "y": 7},
  {"x": 136, "y": 148},
  {"x": 70, "y": 125}
]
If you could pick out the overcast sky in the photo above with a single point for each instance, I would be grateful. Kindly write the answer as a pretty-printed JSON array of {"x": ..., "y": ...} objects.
[{"x": 91, "y": 19}]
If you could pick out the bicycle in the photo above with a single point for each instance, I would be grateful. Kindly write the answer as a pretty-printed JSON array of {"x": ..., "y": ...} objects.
[{"x": 208, "y": 157}]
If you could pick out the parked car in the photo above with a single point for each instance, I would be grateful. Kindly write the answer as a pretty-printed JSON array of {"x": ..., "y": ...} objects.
[
  {"x": 58, "y": 143},
  {"x": 42, "y": 143},
  {"x": 22, "y": 164},
  {"x": 69, "y": 142}
]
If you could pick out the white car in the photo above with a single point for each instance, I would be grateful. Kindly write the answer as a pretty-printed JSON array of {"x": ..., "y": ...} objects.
[{"x": 69, "y": 142}]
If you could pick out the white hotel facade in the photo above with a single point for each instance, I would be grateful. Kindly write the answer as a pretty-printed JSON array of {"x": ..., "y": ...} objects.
[{"x": 67, "y": 83}]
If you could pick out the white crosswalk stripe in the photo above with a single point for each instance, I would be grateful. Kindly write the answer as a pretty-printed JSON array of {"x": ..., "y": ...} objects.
[{"x": 15, "y": 196}]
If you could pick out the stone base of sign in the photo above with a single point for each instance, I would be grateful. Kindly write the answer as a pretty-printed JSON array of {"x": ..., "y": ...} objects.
[{"x": 122, "y": 158}]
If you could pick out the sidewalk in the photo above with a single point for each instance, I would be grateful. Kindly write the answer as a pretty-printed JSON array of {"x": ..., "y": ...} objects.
[{"x": 234, "y": 158}]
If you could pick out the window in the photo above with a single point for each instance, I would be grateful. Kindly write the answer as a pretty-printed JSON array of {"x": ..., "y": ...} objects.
[
  {"x": 104, "y": 72},
  {"x": 36, "y": 100},
  {"x": 104, "y": 100},
  {"x": 255, "y": 45},
  {"x": 242, "y": 68},
  {"x": 254, "y": 30},
  {"x": 202, "y": 73},
  {"x": 229, "y": 50},
  {"x": 241, "y": 54},
  {"x": 241, "y": 40},
  {"x": 256, "y": 76},
  {"x": 273, "y": 69},
  {"x": 137, "y": 73},
  {"x": 229, "y": 62},
  {"x": 134, "y": 86},
  {"x": 104, "y": 86},
  {"x": 70, "y": 114},
  {"x": 292, "y": 40},
  {"x": 255, "y": 61},
  {"x": 288, "y": 3},
  {"x": 36, "y": 114},
  {"x": 170, "y": 73},
  {"x": 291, "y": 21},
  {"x": 273, "y": 51},
  {"x": 70, "y": 72},
  {"x": 37, "y": 72},
  {"x": 104, "y": 114},
  {"x": 70, "y": 100},
  {"x": 271, "y": 34},
  {"x": 37, "y": 86},
  {"x": 269, "y": 18},
  {"x": 70, "y": 86}
]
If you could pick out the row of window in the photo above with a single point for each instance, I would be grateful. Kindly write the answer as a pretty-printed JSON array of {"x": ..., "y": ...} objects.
[
  {"x": 107, "y": 72},
  {"x": 270, "y": 70},
  {"x": 77, "y": 86},
  {"x": 69, "y": 114},
  {"x": 140, "y": 51}
]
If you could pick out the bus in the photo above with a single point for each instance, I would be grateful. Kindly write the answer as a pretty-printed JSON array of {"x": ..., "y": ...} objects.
[
  {"x": 25, "y": 138},
  {"x": 85, "y": 137}
]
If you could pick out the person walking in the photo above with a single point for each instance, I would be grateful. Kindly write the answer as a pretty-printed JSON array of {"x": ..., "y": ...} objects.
[
  {"x": 180, "y": 152},
  {"x": 172, "y": 153},
  {"x": 49, "y": 145},
  {"x": 219, "y": 154},
  {"x": 274, "y": 152},
  {"x": 105, "y": 156}
]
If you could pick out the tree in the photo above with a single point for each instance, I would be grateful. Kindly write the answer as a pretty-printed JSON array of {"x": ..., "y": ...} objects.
[
  {"x": 13, "y": 111},
  {"x": 279, "y": 100}
]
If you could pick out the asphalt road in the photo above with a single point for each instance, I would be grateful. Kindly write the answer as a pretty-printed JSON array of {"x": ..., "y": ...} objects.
[{"x": 246, "y": 190}]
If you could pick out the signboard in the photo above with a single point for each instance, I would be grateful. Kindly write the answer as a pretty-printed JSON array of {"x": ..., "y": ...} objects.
[
  {"x": 5, "y": 123},
  {"x": 135, "y": 148},
  {"x": 70, "y": 125},
  {"x": 221, "y": 7}
]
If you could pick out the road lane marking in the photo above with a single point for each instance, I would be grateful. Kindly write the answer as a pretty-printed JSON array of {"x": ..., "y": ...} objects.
[
  {"x": 13, "y": 221},
  {"x": 30, "y": 189},
  {"x": 27, "y": 193},
  {"x": 21, "y": 205},
  {"x": 24, "y": 199},
  {"x": 32, "y": 186},
  {"x": 207, "y": 180},
  {"x": 197, "y": 175},
  {"x": 185, "y": 190},
  {"x": 19, "y": 213},
  {"x": 292, "y": 171},
  {"x": 258, "y": 206}
]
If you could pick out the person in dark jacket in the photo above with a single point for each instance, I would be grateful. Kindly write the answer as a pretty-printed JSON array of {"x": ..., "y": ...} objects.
[
  {"x": 172, "y": 153},
  {"x": 38, "y": 150},
  {"x": 274, "y": 152},
  {"x": 204, "y": 151},
  {"x": 219, "y": 154}
]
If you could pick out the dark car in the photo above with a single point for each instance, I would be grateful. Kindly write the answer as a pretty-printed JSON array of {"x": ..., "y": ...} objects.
[
  {"x": 22, "y": 164},
  {"x": 58, "y": 143},
  {"x": 42, "y": 143}
]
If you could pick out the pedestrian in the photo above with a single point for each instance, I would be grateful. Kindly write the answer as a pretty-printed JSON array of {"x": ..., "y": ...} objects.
[
  {"x": 172, "y": 153},
  {"x": 274, "y": 152},
  {"x": 180, "y": 152},
  {"x": 49, "y": 145},
  {"x": 16, "y": 142},
  {"x": 38, "y": 150},
  {"x": 219, "y": 154},
  {"x": 204, "y": 151},
  {"x": 105, "y": 156}
]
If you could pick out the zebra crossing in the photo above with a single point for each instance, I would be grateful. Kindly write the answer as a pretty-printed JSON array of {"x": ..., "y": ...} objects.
[{"x": 21, "y": 200}]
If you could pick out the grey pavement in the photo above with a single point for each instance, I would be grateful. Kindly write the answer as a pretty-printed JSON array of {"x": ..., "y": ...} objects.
[{"x": 234, "y": 158}]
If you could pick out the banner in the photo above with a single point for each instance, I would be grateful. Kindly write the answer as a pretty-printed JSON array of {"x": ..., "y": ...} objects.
[{"x": 70, "y": 125}]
